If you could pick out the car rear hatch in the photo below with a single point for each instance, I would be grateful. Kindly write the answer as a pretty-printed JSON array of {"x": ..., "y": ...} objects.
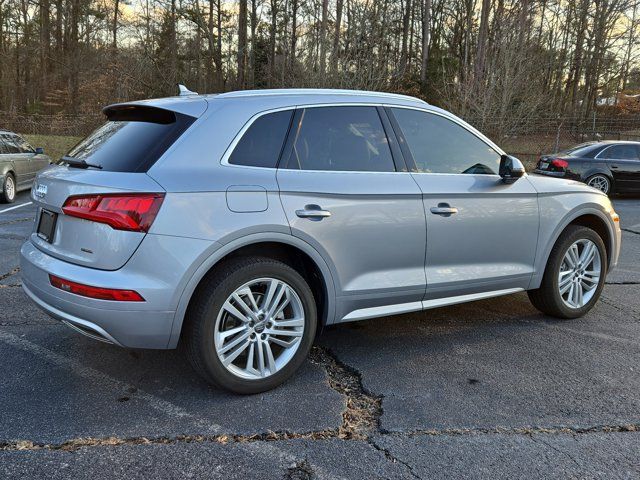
[{"x": 97, "y": 204}]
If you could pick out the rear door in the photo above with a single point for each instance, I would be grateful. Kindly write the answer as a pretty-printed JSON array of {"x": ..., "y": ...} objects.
[
  {"x": 346, "y": 192},
  {"x": 28, "y": 153},
  {"x": 624, "y": 162},
  {"x": 481, "y": 233}
]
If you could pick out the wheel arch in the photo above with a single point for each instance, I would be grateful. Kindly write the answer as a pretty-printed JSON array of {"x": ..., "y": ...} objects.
[
  {"x": 293, "y": 251},
  {"x": 591, "y": 217}
]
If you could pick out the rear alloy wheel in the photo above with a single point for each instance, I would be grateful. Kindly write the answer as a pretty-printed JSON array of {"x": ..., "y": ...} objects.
[
  {"x": 8, "y": 189},
  {"x": 251, "y": 325},
  {"x": 601, "y": 182},
  {"x": 574, "y": 275}
]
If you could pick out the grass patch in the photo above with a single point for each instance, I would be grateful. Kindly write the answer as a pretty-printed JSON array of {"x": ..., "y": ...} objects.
[{"x": 54, "y": 145}]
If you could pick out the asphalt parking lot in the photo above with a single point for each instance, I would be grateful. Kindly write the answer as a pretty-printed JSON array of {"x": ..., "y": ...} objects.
[{"x": 487, "y": 389}]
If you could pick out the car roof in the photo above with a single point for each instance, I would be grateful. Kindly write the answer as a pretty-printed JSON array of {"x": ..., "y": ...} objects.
[
  {"x": 195, "y": 104},
  {"x": 612, "y": 142}
]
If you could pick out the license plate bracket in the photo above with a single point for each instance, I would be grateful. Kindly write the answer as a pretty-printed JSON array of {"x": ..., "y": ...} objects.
[{"x": 47, "y": 225}]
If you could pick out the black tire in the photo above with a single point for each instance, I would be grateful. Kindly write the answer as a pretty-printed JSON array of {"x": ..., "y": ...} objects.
[
  {"x": 547, "y": 298},
  {"x": 198, "y": 335},
  {"x": 609, "y": 181},
  {"x": 4, "y": 197}
]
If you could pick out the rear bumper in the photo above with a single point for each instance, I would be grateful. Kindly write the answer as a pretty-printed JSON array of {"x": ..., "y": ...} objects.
[{"x": 128, "y": 324}]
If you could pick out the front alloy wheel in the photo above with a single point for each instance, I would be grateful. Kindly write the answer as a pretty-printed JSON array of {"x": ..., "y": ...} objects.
[
  {"x": 250, "y": 325},
  {"x": 259, "y": 327},
  {"x": 579, "y": 273}
]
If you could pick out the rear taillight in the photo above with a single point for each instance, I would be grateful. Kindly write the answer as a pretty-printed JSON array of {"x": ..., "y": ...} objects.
[
  {"x": 559, "y": 163},
  {"x": 95, "y": 292},
  {"x": 122, "y": 211}
]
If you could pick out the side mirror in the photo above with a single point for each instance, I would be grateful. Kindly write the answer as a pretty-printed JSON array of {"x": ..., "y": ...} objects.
[
  {"x": 511, "y": 169},
  {"x": 39, "y": 151}
]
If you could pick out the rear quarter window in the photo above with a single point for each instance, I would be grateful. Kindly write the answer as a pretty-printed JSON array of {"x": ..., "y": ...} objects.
[
  {"x": 132, "y": 139},
  {"x": 261, "y": 144}
]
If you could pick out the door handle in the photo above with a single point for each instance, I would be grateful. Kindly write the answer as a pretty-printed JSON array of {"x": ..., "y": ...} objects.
[
  {"x": 444, "y": 209},
  {"x": 313, "y": 212}
]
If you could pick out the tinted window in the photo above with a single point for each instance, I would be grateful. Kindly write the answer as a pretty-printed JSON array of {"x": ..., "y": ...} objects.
[
  {"x": 341, "y": 139},
  {"x": 132, "y": 140},
  {"x": 439, "y": 145},
  {"x": 585, "y": 150},
  {"x": 261, "y": 144},
  {"x": 621, "y": 152}
]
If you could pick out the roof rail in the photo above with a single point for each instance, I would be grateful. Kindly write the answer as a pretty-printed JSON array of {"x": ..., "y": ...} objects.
[{"x": 315, "y": 91}]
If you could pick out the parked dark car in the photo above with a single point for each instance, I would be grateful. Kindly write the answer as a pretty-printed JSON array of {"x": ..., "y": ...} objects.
[
  {"x": 610, "y": 166},
  {"x": 19, "y": 164}
]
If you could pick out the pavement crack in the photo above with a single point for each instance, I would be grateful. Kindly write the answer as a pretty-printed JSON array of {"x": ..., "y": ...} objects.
[
  {"x": 392, "y": 458},
  {"x": 537, "y": 438},
  {"x": 622, "y": 283},
  {"x": 361, "y": 416},
  {"x": 632, "y": 427},
  {"x": 9, "y": 273},
  {"x": 300, "y": 470},
  {"x": 17, "y": 220},
  {"x": 630, "y": 231}
]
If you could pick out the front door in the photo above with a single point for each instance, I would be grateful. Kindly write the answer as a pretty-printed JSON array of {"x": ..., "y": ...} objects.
[
  {"x": 481, "y": 233},
  {"x": 624, "y": 162},
  {"x": 345, "y": 194}
]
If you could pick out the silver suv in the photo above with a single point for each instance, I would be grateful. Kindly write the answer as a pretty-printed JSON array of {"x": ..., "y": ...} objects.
[{"x": 238, "y": 224}]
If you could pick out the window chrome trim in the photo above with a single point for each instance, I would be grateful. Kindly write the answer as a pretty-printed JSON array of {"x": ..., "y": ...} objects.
[{"x": 229, "y": 151}]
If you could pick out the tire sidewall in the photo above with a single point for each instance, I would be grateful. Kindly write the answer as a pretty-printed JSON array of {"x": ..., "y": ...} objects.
[
  {"x": 565, "y": 242},
  {"x": 212, "y": 363}
]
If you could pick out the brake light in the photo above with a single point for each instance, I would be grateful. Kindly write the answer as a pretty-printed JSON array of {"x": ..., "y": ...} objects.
[
  {"x": 559, "y": 163},
  {"x": 122, "y": 211},
  {"x": 95, "y": 292}
]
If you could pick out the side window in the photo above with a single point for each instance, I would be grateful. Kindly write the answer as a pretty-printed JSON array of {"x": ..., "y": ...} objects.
[
  {"x": 439, "y": 145},
  {"x": 261, "y": 144},
  {"x": 22, "y": 145},
  {"x": 9, "y": 145},
  {"x": 341, "y": 139},
  {"x": 4, "y": 148},
  {"x": 621, "y": 152}
]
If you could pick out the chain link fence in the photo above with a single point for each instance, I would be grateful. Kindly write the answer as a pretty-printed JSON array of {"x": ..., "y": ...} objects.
[
  {"x": 530, "y": 138},
  {"x": 526, "y": 139}
]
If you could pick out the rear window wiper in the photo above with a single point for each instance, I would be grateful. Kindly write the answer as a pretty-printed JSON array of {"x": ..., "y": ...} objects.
[{"x": 74, "y": 162}]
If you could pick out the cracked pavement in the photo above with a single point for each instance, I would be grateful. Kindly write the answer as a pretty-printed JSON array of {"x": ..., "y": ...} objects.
[{"x": 486, "y": 389}]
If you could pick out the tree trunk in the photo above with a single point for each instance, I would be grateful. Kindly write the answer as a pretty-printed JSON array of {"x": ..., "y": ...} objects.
[
  {"x": 335, "y": 56},
  {"x": 323, "y": 39},
  {"x": 426, "y": 39},
  {"x": 242, "y": 43}
]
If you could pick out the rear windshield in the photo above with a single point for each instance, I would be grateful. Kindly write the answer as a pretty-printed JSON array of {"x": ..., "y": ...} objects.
[
  {"x": 583, "y": 150},
  {"x": 132, "y": 140}
]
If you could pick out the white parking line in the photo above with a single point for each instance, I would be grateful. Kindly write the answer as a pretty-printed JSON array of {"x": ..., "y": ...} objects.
[{"x": 17, "y": 206}]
